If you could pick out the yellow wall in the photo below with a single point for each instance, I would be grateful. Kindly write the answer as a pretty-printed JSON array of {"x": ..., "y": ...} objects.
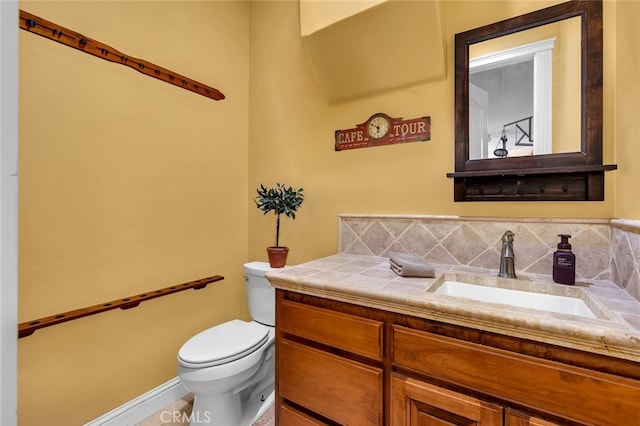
[
  {"x": 316, "y": 15},
  {"x": 127, "y": 184},
  {"x": 621, "y": 108}
]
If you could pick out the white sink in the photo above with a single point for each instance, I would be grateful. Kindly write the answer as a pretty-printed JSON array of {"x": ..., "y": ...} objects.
[{"x": 519, "y": 298}]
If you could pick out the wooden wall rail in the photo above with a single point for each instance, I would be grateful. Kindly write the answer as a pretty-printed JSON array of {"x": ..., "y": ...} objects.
[
  {"x": 55, "y": 32},
  {"x": 27, "y": 328}
]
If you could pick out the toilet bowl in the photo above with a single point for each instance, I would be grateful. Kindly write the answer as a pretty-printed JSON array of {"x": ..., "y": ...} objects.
[{"x": 230, "y": 367}]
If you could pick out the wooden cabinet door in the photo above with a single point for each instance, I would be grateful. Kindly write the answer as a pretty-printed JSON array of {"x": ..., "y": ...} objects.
[
  {"x": 345, "y": 391},
  {"x": 518, "y": 418},
  {"x": 416, "y": 403}
]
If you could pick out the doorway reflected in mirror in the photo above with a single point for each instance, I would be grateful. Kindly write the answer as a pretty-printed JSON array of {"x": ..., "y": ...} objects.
[{"x": 520, "y": 85}]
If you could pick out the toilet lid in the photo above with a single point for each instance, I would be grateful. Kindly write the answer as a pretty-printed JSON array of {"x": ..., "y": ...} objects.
[{"x": 223, "y": 343}]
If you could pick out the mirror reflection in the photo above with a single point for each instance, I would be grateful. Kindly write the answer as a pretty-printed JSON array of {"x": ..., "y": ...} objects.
[{"x": 524, "y": 92}]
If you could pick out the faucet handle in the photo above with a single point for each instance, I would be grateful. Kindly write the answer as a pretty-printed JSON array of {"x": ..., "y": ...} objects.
[{"x": 507, "y": 237}]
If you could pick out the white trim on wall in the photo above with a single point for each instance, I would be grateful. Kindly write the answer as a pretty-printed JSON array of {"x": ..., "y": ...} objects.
[
  {"x": 514, "y": 55},
  {"x": 8, "y": 211},
  {"x": 542, "y": 101},
  {"x": 143, "y": 406}
]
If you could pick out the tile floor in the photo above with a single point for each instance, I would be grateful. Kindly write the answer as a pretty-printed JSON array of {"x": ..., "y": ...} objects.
[{"x": 177, "y": 414}]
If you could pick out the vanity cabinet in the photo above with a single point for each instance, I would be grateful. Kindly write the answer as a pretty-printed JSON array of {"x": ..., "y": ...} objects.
[{"x": 343, "y": 363}]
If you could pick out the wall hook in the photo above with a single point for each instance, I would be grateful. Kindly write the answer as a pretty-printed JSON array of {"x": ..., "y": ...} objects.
[
  {"x": 52, "y": 31},
  {"x": 542, "y": 187},
  {"x": 565, "y": 186}
]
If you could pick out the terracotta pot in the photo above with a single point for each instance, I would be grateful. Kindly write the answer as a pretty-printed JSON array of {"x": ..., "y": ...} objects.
[{"x": 277, "y": 256}]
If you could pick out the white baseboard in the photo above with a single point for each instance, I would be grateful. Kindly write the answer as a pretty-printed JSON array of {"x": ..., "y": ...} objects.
[{"x": 143, "y": 406}]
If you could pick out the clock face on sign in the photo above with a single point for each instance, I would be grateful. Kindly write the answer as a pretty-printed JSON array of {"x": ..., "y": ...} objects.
[{"x": 378, "y": 126}]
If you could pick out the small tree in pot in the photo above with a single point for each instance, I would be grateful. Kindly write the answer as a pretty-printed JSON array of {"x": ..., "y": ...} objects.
[{"x": 280, "y": 200}]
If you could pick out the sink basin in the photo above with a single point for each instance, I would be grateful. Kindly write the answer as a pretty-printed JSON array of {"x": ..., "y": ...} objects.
[{"x": 515, "y": 297}]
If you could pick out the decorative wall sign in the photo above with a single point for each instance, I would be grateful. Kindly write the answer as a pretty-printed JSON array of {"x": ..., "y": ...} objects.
[
  {"x": 55, "y": 32},
  {"x": 380, "y": 129}
]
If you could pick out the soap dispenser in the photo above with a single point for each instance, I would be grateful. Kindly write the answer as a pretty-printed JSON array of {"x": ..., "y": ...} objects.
[{"x": 564, "y": 262}]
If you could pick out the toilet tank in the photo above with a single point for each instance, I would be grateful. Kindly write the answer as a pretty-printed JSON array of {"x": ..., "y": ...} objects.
[{"x": 261, "y": 297}]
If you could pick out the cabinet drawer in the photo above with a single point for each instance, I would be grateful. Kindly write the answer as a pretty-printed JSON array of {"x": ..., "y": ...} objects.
[
  {"x": 358, "y": 335},
  {"x": 570, "y": 392},
  {"x": 345, "y": 391},
  {"x": 292, "y": 417}
]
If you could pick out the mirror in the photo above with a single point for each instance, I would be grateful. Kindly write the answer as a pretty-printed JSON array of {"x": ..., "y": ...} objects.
[
  {"x": 519, "y": 85},
  {"x": 537, "y": 143}
]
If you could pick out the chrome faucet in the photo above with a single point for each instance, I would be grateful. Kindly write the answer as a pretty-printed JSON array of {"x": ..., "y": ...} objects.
[{"x": 507, "y": 266}]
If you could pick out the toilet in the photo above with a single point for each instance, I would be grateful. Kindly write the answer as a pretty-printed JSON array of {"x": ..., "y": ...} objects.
[{"x": 230, "y": 367}]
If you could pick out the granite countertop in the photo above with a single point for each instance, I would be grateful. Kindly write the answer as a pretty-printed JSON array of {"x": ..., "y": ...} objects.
[{"x": 368, "y": 281}]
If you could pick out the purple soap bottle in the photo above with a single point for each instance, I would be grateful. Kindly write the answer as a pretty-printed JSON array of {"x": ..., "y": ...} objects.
[{"x": 564, "y": 262}]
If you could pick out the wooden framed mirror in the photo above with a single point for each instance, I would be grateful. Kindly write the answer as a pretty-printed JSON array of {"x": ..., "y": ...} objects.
[{"x": 558, "y": 170}]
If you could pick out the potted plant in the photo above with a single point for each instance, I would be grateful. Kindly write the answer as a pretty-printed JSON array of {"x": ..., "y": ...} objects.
[{"x": 281, "y": 200}]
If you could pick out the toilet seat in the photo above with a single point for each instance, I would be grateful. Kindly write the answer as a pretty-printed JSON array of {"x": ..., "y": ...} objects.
[{"x": 222, "y": 344}]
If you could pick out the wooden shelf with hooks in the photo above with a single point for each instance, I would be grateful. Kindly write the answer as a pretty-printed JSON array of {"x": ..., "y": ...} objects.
[
  {"x": 29, "y": 327},
  {"x": 573, "y": 183},
  {"x": 36, "y": 25}
]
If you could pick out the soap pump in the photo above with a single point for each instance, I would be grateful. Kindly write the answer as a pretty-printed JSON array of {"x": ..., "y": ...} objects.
[{"x": 564, "y": 262}]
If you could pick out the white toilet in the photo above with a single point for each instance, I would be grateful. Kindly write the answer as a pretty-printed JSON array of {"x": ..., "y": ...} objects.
[{"x": 230, "y": 367}]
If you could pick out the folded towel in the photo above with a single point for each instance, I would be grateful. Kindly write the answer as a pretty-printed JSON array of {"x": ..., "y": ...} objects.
[{"x": 411, "y": 265}]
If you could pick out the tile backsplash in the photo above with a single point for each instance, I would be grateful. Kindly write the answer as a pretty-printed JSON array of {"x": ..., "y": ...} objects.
[
  {"x": 604, "y": 249},
  {"x": 625, "y": 255}
]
